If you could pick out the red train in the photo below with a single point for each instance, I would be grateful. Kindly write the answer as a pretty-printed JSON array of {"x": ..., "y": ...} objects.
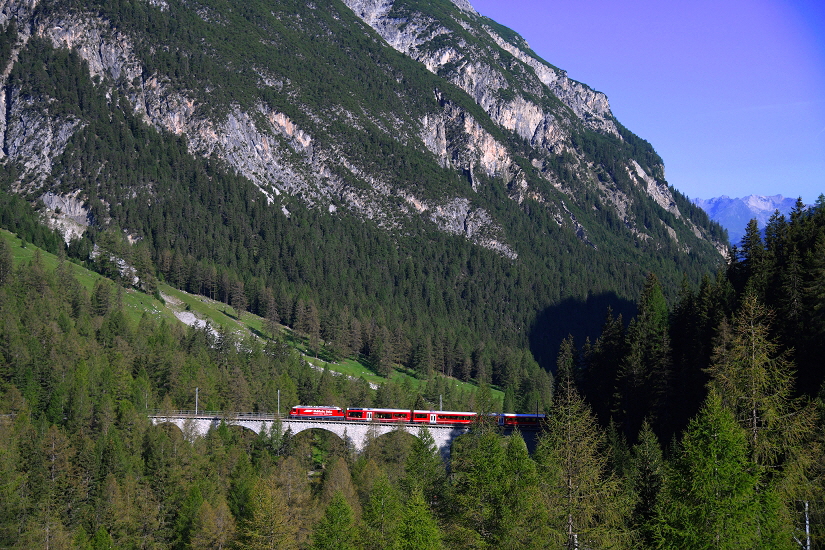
[
  {"x": 304, "y": 412},
  {"x": 410, "y": 416}
]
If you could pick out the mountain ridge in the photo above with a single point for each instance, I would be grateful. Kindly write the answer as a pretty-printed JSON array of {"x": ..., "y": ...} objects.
[
  {"x": 735, "y": 213},
  {"x": 407, "y": 116}
]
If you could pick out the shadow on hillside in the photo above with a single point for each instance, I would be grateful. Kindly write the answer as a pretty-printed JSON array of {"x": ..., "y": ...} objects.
[{"x": 576, "y": 316}]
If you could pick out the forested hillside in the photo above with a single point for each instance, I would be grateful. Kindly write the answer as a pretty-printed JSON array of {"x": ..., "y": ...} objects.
[{"x": 721, "y": 446}]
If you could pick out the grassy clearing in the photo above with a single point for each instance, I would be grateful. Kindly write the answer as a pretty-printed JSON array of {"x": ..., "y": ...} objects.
[{"x": 135, "y": 303}]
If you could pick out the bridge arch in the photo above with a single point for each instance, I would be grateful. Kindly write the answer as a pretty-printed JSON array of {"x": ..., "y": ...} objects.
[
  {"x": 395, "y": 441},
  {"x": 317, "y": 436}
]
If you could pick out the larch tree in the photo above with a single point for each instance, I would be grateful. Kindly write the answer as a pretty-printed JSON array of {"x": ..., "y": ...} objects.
[
  {"x": 294, "y": 485},
  {"x": 582, "y": 498},
  {"x": 755, "y": 381},
  {"x": 382, "y": 511},
  {"x": 268, "y": 525},
  {"x": 710, "y": 498},
  {"x": 338, "y": 480},
  {"x": 214, "y": 526}
]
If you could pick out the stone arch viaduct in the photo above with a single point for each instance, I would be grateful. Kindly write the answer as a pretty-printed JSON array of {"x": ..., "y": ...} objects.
[{"x": 358, "y": 434}]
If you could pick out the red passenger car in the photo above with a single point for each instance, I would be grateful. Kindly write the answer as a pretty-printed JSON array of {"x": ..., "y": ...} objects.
[
  {"x": 378, "y": 415},
  {"x": 522, "y": 420},
  {"x": 452, "y": 417},
  {"x": 316, "y": 413},
  {"x": 405, "y": 415}
]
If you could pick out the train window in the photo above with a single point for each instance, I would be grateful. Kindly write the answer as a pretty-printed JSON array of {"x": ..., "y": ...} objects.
[
  {"x": 356, "y": 414},
  {"x": 399, "y": 415},
  {"x": 419, "y": 415},
  {"x": 383, "y": 415}
]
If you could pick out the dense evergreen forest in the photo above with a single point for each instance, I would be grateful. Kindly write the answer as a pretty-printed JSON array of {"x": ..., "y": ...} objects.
[{"x": 697, "y": 425}]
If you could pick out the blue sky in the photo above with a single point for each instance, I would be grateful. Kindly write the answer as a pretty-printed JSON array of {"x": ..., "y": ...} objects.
[{"x": 730, "y": 93}]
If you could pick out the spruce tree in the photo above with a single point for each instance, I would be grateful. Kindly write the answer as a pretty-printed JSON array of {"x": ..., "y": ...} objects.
[
  {"x": 424, "y": 469},
  {"x": 602, "y": 361},
  {"x": 6, "y": 261},
  {"x": 478, "y": 496},
  {"x": 644, "y": 376},
  {"x": 647, "y": 470},
  {"x": 524, "y": 522}
]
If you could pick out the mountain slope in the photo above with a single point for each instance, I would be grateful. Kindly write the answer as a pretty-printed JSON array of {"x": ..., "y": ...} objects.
[{"x": 412, "y": 163}]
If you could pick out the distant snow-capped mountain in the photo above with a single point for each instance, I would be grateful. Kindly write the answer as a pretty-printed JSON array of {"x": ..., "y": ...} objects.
[{"x": 734, "y": 214}]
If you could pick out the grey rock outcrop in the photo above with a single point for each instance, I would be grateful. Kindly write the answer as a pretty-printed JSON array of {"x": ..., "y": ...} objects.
[{"x": 66, "y": 213}]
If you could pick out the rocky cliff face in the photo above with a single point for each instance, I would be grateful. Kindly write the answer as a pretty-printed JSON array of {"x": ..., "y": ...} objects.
[
  {"x": 533, "y": 100},
  {"x": 519, "y": 126},
  {"x": 278, "y": 156}
]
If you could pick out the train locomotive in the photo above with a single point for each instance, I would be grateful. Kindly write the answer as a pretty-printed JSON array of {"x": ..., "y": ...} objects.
[{"x": 407, "y": 416}]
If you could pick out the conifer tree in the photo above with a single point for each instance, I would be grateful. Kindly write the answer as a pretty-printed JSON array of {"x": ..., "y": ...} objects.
[
  {"x": 583, "y": 501},
  {"x": 524, "y": 524},
  {"x": 753, "y": 261},
  {"x": 417, "y": 529},
  {"x": 602, "y": 361},
  {"x": 214, "y": 527},
  {"x": 338, "y": 480},
  {"x": 815, "y": 289},
  {"x": 477, "y": 492},
  {"x": 268, "y": 525},
  {"x": 647, "y": 470},
  {"x": 336, "y": 529},
  {"x": 644, "y": 373},
  {"x": 6, "y": 261},
  {"x": 424, "y": 468},
  {"x": 294, "y": 485},
  {"x": 382, "y": 511},
  {"x": 755, "y": 381}
]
